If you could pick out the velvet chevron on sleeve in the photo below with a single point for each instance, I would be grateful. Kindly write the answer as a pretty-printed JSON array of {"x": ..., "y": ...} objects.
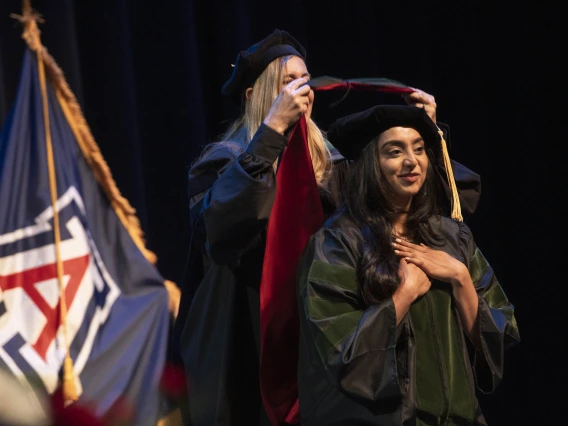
[{"x": 498, "y": 328}]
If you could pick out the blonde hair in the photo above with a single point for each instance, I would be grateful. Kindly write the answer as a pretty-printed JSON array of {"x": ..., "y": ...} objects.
[{"x": 265, "y": 89}]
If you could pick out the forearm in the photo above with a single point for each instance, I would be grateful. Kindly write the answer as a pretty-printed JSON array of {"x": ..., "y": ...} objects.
[
  {"x": 402, "y": 302},
  {"x": 238, "y": 205},
  {"x": 468, "y": 305}
]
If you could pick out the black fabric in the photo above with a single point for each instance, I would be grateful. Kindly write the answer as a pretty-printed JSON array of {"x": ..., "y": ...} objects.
[
  {"x": 220, "y": 322},
  {"x": 218, "y": 329},
  {"x": 352, "y": 133},
  {"x": 250, "y": 63},
  {"x": 267, "y": 145}
]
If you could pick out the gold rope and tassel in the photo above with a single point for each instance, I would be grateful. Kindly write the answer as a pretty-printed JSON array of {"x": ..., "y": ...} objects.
[
  {"x": 31, "y": 35},
  {"x": 456, "y": 206}
]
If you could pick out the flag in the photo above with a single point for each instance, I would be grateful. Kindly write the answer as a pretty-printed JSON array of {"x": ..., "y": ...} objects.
[
  {"x": 296, "y": 214},
  {"x": 63, "y": 223}
]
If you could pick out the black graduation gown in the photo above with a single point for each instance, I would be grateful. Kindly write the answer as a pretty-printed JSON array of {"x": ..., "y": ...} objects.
[
  {"x": 217, "y": 331},
  {"x": 357, "y": 367}
]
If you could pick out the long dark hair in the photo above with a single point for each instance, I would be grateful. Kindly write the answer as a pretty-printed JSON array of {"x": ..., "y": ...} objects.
[{"x": 369, "y": 204}]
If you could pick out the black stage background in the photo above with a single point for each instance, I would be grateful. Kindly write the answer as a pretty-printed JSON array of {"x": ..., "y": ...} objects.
[{"x": 148, "y": 76}]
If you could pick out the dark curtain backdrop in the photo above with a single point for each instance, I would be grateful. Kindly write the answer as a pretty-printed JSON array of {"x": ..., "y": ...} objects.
[{"x": 148, "y": 76}]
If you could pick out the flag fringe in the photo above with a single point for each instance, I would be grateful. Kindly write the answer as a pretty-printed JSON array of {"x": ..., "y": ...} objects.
[
  {"x": 175, "y": 297},
  {"x": 89, "y": 147},
  {"x": 82, "y": 132}
]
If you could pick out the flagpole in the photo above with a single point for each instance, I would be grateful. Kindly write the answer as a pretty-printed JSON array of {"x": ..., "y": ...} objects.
[{"x": 32, "y": 37}]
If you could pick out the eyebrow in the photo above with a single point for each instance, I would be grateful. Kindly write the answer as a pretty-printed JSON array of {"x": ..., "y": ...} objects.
[
  {"x": 401, "y": 143},
  {"x": 307, "y": 74}
]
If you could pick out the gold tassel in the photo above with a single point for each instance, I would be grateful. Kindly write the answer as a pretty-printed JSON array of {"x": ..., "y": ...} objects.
[
  {"x": 69, "y": 389},
  {"x": 456, "y": 206}
]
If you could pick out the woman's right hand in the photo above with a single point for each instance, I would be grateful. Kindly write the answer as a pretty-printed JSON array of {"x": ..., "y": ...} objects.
[
  {"x": 295, "y": 100},
  {"x": 413, "y": 281}
]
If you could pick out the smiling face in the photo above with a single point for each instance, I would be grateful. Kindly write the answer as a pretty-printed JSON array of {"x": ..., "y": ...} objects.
[{"x": 403, "y": 162}]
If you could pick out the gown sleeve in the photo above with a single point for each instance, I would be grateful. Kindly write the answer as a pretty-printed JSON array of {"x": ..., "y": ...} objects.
[
  {"x": 498, "y": 328},
  {"x": 231, "y": 196},
  {"x": 356, "y": 344}
]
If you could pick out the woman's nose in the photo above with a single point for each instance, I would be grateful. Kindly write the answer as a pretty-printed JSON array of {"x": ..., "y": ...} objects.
[{"x": 410, "y": 160}]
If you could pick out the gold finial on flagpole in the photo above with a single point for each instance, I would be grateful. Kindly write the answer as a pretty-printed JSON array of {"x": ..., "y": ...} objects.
[{"x": 29, "y": 19}]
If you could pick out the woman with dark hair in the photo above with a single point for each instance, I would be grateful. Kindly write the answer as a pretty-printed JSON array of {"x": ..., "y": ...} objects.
[{"x": 401, "y": 315}]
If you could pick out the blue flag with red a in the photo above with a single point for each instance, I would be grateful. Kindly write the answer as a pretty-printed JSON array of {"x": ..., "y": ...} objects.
[{"x": 117, "y": 318}]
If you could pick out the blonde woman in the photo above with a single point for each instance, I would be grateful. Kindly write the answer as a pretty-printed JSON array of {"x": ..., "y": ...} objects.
[{"x": 231, "y": 190}]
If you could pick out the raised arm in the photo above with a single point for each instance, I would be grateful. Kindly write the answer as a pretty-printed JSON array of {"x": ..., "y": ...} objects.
[
  {"x": 228, "y": 216},
  {"x": 230, "y": 213}
]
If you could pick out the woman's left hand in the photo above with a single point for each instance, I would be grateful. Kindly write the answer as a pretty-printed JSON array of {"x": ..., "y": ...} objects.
[
  {"x": 437, "y": 264},
  {"x": 422, "y": 99}
]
